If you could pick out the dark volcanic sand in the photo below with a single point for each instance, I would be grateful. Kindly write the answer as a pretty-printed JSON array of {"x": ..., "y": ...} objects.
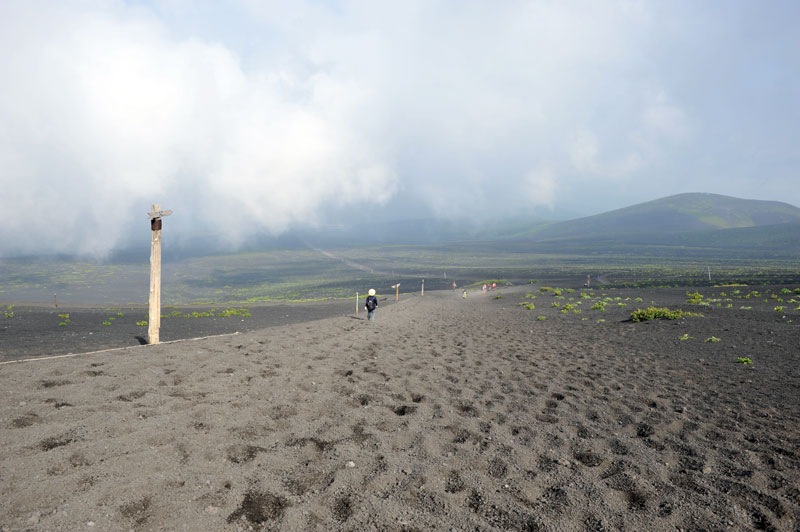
[
  {"x": 443, "y": 414},
  {"x": 35, "y": 330}
]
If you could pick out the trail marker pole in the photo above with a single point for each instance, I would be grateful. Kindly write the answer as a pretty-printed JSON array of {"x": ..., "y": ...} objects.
[
  {"x": 154, "y": 321},
  {"x": 55, "y": 303},
  {"x": 397, "y": 293},
  {"x": 356, "y": 304},
  {"x": 423, "y": 287}
]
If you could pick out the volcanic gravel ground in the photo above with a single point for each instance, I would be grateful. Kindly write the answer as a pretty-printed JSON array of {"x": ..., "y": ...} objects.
[{"x": 443, "y": 414}]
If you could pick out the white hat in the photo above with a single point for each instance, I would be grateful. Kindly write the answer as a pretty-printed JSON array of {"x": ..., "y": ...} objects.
[{"x": 372, "y": 291}]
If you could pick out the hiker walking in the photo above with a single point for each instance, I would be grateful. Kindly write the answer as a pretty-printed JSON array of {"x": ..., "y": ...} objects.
[{"x": 371, "y": 304}]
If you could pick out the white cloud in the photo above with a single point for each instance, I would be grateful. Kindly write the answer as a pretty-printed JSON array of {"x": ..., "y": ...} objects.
[
  {"x": 665, "y": 119},
  {"x": 104, "y": 113},
  {"x": 541, "y": 185},
  {"x": 272, "y": 113},
  {"x": 587, "y": 158}
]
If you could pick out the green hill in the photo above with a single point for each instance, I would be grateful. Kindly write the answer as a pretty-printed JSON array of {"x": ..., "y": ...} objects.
[{"x": 682, "y": 213}]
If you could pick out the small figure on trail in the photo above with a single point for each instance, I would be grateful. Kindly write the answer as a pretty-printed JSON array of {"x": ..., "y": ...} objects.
[
  {"x": 494, "y": 286},
  {"x": 371, "y": 304},
  {"x": 464, "y": 295},
  {"x": 483, "y": 288},
  {"x": 454, "y": 285}
]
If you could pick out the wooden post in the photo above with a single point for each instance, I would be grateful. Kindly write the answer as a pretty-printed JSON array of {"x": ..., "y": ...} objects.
[
  {"x": 397, "y": 293},
  {"x": 423, "y": 287},
  {"x": 154, "y": 321},
  {"x": 356, "y": 304}
]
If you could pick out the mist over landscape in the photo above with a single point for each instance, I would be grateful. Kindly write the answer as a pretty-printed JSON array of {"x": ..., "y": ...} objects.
[
  {"x": 253, "y": 121},
  {"x": 314, "y": 265}
]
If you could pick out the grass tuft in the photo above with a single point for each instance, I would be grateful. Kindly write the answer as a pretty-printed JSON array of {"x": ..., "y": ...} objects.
[{"x": 660, "y": 313}]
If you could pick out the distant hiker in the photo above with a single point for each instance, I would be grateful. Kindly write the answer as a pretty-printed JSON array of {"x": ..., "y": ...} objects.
[
  {"x": 464, "y": 295},
  {"x": 371, "y": 304},
  {"x": 494, "y": 286},
  {"x": 454, "y": 285},
  {"x": 483, "y": 288}
]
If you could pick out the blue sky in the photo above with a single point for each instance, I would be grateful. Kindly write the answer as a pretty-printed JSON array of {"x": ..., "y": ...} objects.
[{"x": 273, "y": 114}]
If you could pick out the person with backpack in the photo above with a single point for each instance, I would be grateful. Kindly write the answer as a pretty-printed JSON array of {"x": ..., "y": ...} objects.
[{"x": 371, "y": 304}]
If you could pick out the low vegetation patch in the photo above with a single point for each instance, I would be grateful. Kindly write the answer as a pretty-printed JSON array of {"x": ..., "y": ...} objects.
[
  {"x": 695, "y": 298},
  {"x": 660, "y": 313},
  {"x": 744, "y": 360}
]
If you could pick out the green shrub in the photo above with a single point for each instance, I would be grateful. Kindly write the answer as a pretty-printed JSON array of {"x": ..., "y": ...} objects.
[
  {"x": 713, "y": 339},
  {"x": 778, "y": 309},
  {"x": 541, "y": 318},
  {"x": 141, "y": 323},
  {"x": 695, "y": 297},
  {"x": 599, "y": 306},
  {"x": 652, "y": 313},
  {"x": 246, "y": 314},
  {"x": 744, "y": 360},
  {"x": 686, "y": 337}
]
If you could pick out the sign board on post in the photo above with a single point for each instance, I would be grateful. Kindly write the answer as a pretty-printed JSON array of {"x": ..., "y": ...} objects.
[{"x": 154, "y": 321}]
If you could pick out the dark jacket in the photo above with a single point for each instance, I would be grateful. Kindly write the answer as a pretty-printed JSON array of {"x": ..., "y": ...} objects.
[{"x": 371, "y": 303}]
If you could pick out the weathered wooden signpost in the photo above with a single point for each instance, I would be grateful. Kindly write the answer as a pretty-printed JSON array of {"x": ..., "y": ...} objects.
[
  {"x": 397, "y": 293},
  {"x": 154, "y": 322}
]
